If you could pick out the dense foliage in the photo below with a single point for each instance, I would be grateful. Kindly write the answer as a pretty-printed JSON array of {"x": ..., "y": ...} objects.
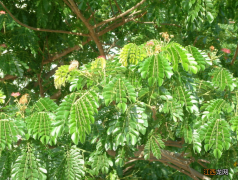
[{"x": 118, "y": 89}]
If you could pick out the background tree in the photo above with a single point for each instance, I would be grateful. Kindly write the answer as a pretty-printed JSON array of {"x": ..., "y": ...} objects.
[{"x": 38, "y": 37}]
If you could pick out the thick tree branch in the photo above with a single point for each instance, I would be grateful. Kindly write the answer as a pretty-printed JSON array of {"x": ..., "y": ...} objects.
[
  {"x": 178, "y": 144},
  {"x": 171, "y": 159},
  {"x": 39, "y": 29},
  {"x": 120, "y": 15},
  {"x": 93, "y": 35},
  {"x": 235, "y": 55}
]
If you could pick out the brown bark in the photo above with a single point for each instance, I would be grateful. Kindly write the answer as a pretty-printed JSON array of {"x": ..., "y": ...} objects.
[
  {"x": 69, "y": 50},
  {"x": 118, "y": 23},
  {"x": 118, "y": 7},
  {"x": 93, "y": 35},
  {"x": 40, "y": 85},
  {"x": 8, "y": 77},
  {"x": 120, "y": 15},
  {"x": 40, "y": 29},
  {"x": 235, "y": 55},
  {"x": 168, "y": 158},
  {"x": 56, "y": 95},
  {"x": 66, "y": 51}
]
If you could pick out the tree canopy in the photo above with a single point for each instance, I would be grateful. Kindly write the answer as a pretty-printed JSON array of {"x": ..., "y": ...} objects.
[{"x": 118, "y": 89}]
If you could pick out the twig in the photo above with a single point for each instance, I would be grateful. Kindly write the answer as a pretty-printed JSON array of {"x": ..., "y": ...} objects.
[
  {"x": 105, "y": 44},
  {"x": 196, "y": 41},
  {"x": 94, "y": 50},
  {"x": 7, "y": 102},
  {"x": 92, "y": 13},
  {"x": 202, "y": 164}
]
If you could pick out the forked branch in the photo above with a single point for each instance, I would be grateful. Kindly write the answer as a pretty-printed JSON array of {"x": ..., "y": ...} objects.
[
  {"x": 93, "y": 35},
  {"x": 40, "y": 29},
  {"x": 120, "y": 15}
]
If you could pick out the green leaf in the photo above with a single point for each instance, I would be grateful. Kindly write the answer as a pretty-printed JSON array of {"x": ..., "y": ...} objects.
[
  {"x": 222, "y": 79},
  {"x": 156, "y": 68},
  {"x": 79, "y": 123},
  {"x": 119, "y": 90},
  {"x": 131, "y": 54},
  {"x": 217, "y": 153},
  {"x": 45, "y": 104},
  {"x": 210, "y": 17}
]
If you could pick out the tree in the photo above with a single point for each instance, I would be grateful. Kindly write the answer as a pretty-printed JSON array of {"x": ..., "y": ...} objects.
[{"x": 160, "y": 101}]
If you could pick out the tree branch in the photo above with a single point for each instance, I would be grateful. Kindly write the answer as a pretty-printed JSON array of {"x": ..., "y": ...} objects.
[
  {"x": 39, "y": 29},
  {"x": 66, "y": 51},
  {"x": 8, "y": 77},
  {"x": 91, "y": 16},
  {"x": 111, "y": 7},
  {"x": 117, "y": 24},
  {"x": 94, "y": 50},
  {"x": 171, "y": 159},
  {"x": 69, "y": 50},
  {"x": 56, "y": 95},
  {"x": 77, "y": 47},
  {"x": 113, "y": 45},
  {"x": 93, "y": 35},
  {"x": 40, "y": 85},
  {"x": 235, "y": 55},
  {"x": 118, "y": 7},
  {"x": 120, "y": 15}
]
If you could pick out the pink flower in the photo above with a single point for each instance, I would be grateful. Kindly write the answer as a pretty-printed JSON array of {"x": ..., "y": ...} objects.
[
  {"x": 2, "y": 12},
  {"x": 101, "y": 57},
  {"x": 226, "y": 50},
  {"x": 15, "y": 94},
  {"x": 150, "y": 43},
  {"x": 3, "y": 45}
]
